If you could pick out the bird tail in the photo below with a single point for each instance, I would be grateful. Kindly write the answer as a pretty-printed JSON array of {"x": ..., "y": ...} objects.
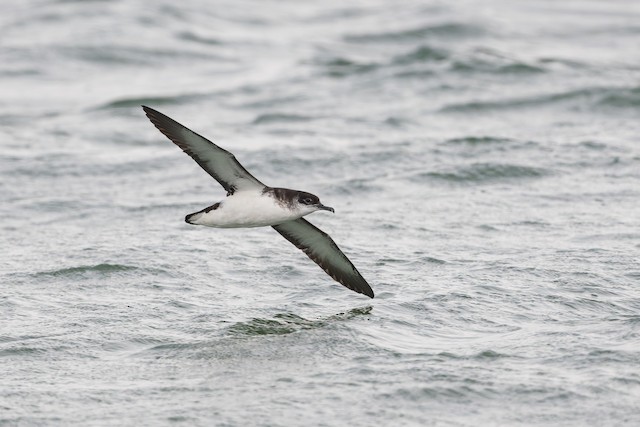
[{"x": 194, "y": 217}]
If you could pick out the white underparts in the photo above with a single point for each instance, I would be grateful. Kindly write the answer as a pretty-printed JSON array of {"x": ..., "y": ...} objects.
[{"x": 248, "y": 209}]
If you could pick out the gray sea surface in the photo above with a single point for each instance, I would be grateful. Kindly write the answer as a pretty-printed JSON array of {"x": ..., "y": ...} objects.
[{"x": 483, "y": 158}]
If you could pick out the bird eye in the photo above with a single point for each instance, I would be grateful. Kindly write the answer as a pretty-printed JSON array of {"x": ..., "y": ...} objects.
[{"x": 307, "y": 201}]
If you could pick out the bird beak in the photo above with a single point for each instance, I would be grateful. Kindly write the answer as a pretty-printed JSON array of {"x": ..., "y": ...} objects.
[{"x": 325, "y": 208}]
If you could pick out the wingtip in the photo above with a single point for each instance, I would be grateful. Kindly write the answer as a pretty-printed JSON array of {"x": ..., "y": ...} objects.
[
  {"x": 157, "y": 118},
  {"x": 361, "y": 288}
]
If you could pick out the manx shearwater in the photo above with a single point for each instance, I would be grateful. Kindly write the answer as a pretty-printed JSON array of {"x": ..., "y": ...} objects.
[{"x": 250, "y": 203}]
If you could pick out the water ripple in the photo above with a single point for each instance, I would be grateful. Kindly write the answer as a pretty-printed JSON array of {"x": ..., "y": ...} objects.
[
  {"x": 98, "y": 268},
  {"x": 590, "y": 98},
  {"x": 484, "y": 172},
  {"x": 448, "y": 30}
]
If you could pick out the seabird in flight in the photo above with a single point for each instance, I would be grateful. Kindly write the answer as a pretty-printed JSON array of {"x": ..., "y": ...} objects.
[{"x": 250, "y": 203}]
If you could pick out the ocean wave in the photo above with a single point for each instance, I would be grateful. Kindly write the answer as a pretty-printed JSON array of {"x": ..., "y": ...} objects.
[
  {"x": 137, "y": 101},
  {"x": 191, "y": 36},
  {"x": 431, "y": 59},
  {"x": 358, "y": 186},
  {"x": 516, "y": 67},
  {"x": 587, "y": 98},
  {"x": 422, "y": 54},
  {"x": 287, "y": 323},
  {"x": 84, "y": 269},
  {"x": 135, "y": 56},
  {"x": 279, "y": 325},
  {"x": 342, "y": 66},
  {"x": 269, "y": 118},
  {"x": 479, "y": 140},
  {"x": 448, "y": 30},
  {"x": 484, "y": 172}
]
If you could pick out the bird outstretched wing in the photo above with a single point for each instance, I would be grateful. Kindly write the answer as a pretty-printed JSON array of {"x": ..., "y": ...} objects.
[
  {"x": 319, "y": 246},
  {"x": 217, "y": 162}
]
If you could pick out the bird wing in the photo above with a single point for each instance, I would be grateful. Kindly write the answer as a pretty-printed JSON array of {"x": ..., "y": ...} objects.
[
  {"x": 319, "y": 246},
  {"x": 217, "y": 162}
]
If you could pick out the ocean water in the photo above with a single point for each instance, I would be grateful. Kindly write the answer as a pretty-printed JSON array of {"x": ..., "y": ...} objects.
[{"x": 483, "y": 158}]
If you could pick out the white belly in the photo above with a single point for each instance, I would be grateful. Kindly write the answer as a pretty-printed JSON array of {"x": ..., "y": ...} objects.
[{"x": 246, "y": 209}]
